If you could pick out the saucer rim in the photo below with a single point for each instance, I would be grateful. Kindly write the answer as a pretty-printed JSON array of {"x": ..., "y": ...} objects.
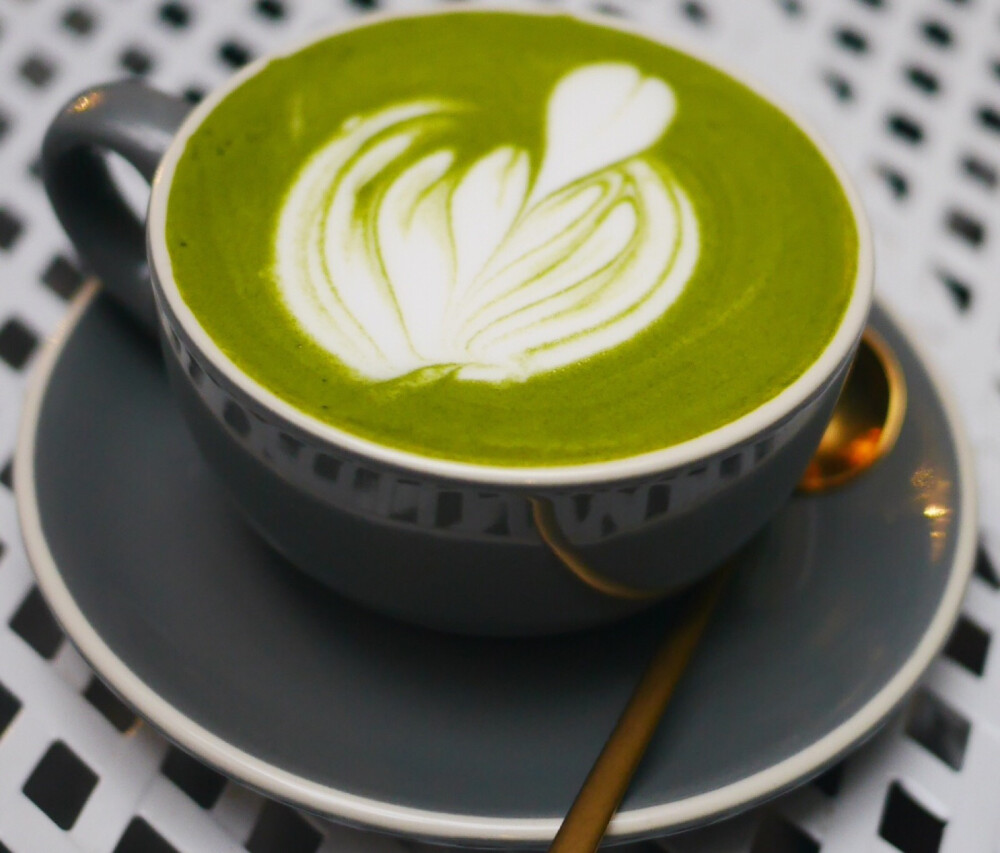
[{"x": 341, "y": 805}]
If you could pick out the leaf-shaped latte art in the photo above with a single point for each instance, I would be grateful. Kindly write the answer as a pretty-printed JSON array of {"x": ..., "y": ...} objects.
[{"x": 396, "y": 259}]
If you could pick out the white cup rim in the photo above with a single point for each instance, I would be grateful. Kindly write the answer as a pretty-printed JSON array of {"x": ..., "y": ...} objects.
[{"x": 731, "y": 435}]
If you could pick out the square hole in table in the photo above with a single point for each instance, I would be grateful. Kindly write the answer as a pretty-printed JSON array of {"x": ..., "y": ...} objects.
[
  {"x": 695, "y": 12},
  {"x": 9, "y": 706},
  {"x": 959, "y": 290},
  {"x": 966, "y": 227},
  {"x": 905, "y": 128},
  {"x": 140, "y": 837},
  {"x": 979, "y": 170},
  {"x": 907, "y": 825},
  {"x": 937, "y": 33},
  {"x": 175, "y": 15},
  {"x": 840, "y": 86},
  {"x": 895, "y": 180},
  {"x": 109, "y": 706},
  {"x": 60, "y": 785},
  {"x": 78, "y": 20},
  {"x": 11, "y": 227},
  {"x": 985, "y": 570},
  {"x": 851, "y": 39},
  {"x": 938, "y": 728},
  {"x": 200, "y": 783},
  {"x": 279, "y": 829},
  {"x": 33, "y": 622},
  {"x": 37, "y": 70},
  {"x": 989, "y": 118},
  {"x": 136, "y": 60},
  {"x": 969, "y": 645},
  {"x": 62, "y": 277},
  {"x": 17, "y": 343},
  {"x": 234, "y": 54},
  {"x": 271, "y": 10},
  {"x": 923, "y": 79},
  {"x": 829, "y": 781}
]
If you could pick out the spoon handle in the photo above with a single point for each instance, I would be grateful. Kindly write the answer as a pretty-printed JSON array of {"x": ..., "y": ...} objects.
[{"x": 605, "y": 786}]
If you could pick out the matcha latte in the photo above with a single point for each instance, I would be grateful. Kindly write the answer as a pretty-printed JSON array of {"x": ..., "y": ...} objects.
[{"x": 510, "y": 239}]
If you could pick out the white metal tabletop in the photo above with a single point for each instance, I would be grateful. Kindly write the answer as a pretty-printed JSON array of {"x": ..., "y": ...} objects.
[{"x": 907, "y": 92}]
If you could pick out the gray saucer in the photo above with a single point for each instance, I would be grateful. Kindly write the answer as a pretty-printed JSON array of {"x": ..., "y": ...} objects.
[{"x": 833, "y": 615}]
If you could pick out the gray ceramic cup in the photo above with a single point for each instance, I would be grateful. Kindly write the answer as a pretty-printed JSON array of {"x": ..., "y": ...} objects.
[{"x": 451, "y": 545}]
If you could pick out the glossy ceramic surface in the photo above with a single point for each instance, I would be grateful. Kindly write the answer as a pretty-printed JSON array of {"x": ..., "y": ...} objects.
[{"x": 833, "y": 614}]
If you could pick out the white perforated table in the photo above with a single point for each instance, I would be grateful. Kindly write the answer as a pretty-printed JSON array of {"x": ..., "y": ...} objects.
[{"x": 907, "y": 91}]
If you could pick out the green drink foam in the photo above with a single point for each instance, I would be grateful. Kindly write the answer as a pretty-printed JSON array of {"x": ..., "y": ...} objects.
[{"x": 623, "y": 338}]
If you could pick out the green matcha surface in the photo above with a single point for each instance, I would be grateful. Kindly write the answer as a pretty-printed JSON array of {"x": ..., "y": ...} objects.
[{"x": 778, "y": 242}]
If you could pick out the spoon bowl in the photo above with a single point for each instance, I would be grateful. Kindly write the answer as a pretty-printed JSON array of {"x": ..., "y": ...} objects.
[{"x": 866, "y": 421}]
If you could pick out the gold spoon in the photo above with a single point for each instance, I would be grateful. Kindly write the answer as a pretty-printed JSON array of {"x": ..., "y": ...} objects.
[{"x": 864, "y": 427}]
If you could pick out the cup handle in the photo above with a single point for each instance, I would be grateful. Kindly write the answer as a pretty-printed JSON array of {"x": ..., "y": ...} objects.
[{"x": 137, "y": 123}]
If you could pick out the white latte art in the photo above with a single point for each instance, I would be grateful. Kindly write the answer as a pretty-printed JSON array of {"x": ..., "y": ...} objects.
[{"x": 396, "y": 261}]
